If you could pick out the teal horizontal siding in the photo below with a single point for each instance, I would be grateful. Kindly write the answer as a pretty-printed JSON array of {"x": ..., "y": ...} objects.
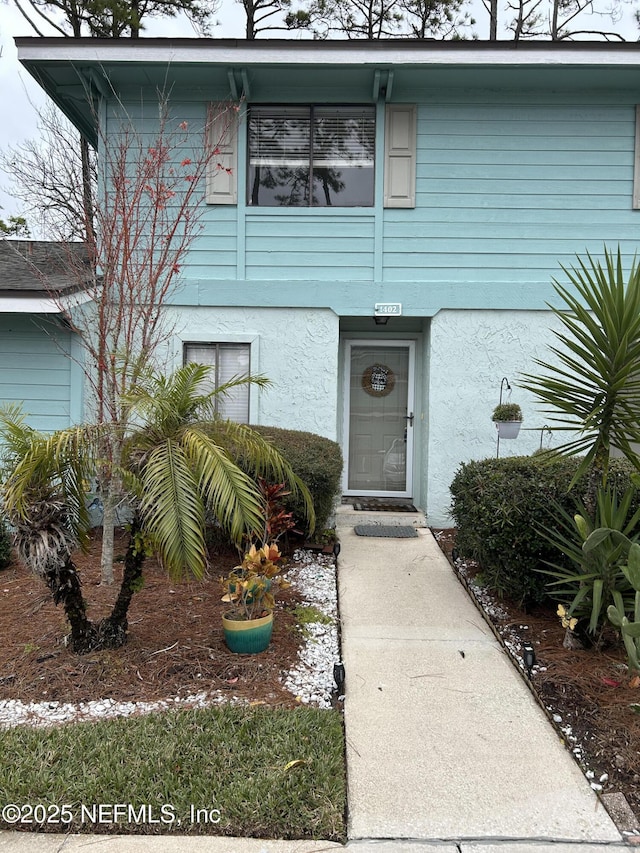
[
  {"x": 502, "y": 257},
  {"x": 588, "y": 207},
  {"x": 309, "y": 272},
  {"x": 260, "y": 228},
  {"x": 510, "y": 141},
  {"x": 20, "y": 350},
  {"x": 44, "y": 379},
  {"x": 307, "y": 247},
  {"x": 509, "y": 191},
  {"x": 502, "y": 158},
  {"x": 542, "y": 173},
  {"x": 214, "y": 253},
  {"x": 509, "y": 186},
  {"x": 36, "y": 371},
  {"x": 480, "y": 273}
]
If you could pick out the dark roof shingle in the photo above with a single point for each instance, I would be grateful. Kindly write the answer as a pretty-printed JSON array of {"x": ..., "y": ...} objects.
[{"x": 38, "y": 266}]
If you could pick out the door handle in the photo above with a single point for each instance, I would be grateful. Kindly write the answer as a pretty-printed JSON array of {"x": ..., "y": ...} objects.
[{"x": 409, "y": 418}]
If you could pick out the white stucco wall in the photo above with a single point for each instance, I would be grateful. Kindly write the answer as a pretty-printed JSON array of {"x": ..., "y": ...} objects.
[
  {"x": 295, "y": 348},
  {"x": 470, "y": 353}
]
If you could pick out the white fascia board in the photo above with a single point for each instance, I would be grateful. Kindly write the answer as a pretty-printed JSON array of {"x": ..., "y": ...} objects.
[
  {"x": 33, "y": 304},
  {"x": 210, "y": 52},
  {"x": 28, "y": 305}
]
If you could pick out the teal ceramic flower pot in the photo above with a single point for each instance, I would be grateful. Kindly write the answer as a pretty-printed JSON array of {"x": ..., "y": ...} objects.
[{"x": 248, "y": 636}]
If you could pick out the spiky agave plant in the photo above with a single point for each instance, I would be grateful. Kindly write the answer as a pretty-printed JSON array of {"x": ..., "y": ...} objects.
[{"x": 592, "y": 388}]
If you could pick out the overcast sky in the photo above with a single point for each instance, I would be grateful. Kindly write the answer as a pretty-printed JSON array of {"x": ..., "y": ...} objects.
[{"x": 19, "y": 92}]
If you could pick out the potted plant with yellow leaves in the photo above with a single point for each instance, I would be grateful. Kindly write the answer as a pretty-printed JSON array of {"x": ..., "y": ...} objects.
[{"x": 249, "y": 589}]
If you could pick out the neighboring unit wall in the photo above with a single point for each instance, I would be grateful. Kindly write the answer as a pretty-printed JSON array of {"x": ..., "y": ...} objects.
[
  {"x": 471, "y": 351},
  {"x": 37, "y": 370}
]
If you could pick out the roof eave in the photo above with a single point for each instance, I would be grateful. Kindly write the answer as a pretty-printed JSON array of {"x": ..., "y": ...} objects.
[{"x": 309, "y": 52}]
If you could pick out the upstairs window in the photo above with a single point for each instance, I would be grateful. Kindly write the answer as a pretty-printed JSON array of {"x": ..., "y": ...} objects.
[{"x": 320, "y": 156}]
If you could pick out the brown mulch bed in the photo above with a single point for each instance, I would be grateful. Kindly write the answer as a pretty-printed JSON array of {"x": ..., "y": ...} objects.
[
  {"x": 589, "y": 689},
  {"x": 175, "y": 645}
]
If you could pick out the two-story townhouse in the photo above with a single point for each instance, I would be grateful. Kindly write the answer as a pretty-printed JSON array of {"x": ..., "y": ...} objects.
[{"x": 384, "y": 245}]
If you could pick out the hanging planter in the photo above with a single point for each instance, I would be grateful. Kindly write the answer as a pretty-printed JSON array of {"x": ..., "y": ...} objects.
[{"x": 508, "y": 419}]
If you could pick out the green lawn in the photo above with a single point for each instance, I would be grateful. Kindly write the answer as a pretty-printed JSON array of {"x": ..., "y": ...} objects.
[{"x": 222, "y": 771}]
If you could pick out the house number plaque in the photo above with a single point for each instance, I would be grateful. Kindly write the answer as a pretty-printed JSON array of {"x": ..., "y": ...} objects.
[{"x": 378, "y": 380}]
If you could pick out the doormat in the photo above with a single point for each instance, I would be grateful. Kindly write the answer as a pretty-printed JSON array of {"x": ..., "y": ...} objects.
[
  {"x": 381, "y": 505},
  {"x": 386, "y": 531}
]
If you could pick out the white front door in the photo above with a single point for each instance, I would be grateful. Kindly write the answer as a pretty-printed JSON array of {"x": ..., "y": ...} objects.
[{"x": 379, "y": 409}]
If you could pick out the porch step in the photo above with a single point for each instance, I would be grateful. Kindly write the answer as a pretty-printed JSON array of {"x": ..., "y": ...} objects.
[{"x": 347, "y": 516}]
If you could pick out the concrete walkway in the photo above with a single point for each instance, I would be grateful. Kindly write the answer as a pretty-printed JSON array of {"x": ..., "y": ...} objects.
[
  {"x": 444, "y": 740},
  {"x": 447, "y": 752}
]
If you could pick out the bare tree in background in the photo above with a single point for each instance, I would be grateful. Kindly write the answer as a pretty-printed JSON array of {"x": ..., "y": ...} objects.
[
  {"x": 264, "y": 15},
  {"x": 557, "y": 20},
  {"x": 356, "y": 19},
  {"x": 565, "y": 22},
  {"x": 100, "y": 19},
  {"x": 46, "y": 175}
]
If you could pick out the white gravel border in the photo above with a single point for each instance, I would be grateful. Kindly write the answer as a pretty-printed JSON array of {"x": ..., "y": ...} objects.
[{"x": 310, "y": 681}]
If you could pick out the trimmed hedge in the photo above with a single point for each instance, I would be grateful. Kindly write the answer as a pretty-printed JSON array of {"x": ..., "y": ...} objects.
[
  {"x": 499, "y": 507},
  {"x": 5, "y": 544},
  {"x": 318, "y": 463}
]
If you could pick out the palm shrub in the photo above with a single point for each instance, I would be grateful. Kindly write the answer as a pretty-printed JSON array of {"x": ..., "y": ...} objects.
[
  {"x": 43, "y": 495},
  {"x": 176, "y": 467},
  {"x": 593, "y": 388}
]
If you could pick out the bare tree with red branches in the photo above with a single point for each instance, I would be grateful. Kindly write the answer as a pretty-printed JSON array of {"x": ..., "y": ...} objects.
[{"x": 147, "y": 215}]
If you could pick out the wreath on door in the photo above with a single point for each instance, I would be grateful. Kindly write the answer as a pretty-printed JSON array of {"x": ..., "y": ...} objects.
[{"x": 378, "y": 380}]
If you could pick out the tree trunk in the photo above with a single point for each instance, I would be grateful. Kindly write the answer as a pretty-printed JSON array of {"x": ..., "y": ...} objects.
[
  {"x": 493, "y": 20},
  {"x": 250, "y": 29},
  {"x": 110, "y": 486},
  {"x": 87, "y": 196},
  {"x": 64, "y": 583},
  {"x": 113, "y": 630},
  {"x": 108, "y": 527}
]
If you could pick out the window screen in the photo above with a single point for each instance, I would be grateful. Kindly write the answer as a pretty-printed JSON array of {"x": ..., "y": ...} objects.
[{"x": 229, "y": 361}]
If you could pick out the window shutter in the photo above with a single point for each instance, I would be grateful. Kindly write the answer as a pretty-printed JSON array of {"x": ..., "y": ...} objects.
[
  {"x": 636, "y": 164},
  {"x": 400, "y": 156},
  {"x": 222, "y": 175}
]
